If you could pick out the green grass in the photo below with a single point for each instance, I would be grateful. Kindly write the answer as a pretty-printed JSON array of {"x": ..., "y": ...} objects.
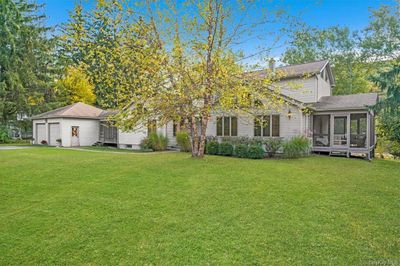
[
  {"x": 110, "y": 149},
  {"x": 62, "y": 206},
  {"x": 17, "y": 143}
]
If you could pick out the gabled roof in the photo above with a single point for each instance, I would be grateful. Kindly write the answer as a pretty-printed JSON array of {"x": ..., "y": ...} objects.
[
  {"x": 76, "y": 110},
  {"x": 346, "y": 102},
  {"x": 304, "y": 69},
  {"x": 300, "y": 70}
]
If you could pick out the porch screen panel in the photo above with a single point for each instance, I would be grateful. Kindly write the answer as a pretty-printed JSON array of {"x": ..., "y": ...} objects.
[
  {"x": 358, "y": 130},
  {"x": 340, "y": 131},
  {"x": 321, "y": 129}
]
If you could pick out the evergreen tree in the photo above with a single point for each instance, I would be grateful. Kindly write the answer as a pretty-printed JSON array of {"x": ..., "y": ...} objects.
[{"x": 27, "y": 62}]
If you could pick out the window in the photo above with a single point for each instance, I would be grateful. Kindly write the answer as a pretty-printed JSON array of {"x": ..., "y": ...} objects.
[
  {"x": 227, "y": 126},
  {"x": 266, "y": 126},
  {"x": 275, "y": 125},
  {"x": 177, "y": 127}
]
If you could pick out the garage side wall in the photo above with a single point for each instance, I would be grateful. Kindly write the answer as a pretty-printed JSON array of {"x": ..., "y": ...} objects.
[{"x": 88, "y": 131}]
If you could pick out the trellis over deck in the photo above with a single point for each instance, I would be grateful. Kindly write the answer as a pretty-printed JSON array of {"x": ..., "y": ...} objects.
[{"x": 344, "y": 125}]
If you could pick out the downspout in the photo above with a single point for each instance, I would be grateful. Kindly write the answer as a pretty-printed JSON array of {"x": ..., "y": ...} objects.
[{"x": 316, "y": 76}]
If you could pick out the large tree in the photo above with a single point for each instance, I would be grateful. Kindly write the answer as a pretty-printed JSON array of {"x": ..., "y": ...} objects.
[
  {"x": 388, "y": 80},
  {"x": 198, "y": 70},
  {"x": 340, "y": 46},
  {"x": 111, "y": 46},
  {"x": 27, "y": 61},
  {"x": 381, "y": 38}
]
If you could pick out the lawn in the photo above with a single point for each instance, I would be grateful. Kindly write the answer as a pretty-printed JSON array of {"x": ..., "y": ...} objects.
[{"x": 62, "y": 206}]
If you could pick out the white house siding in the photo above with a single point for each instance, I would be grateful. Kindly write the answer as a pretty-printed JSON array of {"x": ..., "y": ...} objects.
[
  {"x": 88, "y": 131},
  {"x": 296, "y": 125},
  {"x": 304, "y": 90},
  {"x": 324, "y": 87},
  {"x": 169, "y": 130},
  {"x": 131, "y": 138}
]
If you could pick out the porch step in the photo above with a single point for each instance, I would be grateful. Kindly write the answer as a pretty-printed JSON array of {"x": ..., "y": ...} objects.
[{"x": 339, "y": 153}]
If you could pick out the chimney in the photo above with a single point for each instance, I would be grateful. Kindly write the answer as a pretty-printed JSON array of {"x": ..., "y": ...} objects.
[{"x": 272, "y": 64}]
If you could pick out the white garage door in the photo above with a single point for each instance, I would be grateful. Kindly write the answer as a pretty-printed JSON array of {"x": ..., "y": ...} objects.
[
  {"x": 54, "y": 133},
  {"x": 40, "y": 133}
]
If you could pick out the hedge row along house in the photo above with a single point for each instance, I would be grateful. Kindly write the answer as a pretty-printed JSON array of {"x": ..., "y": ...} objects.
[{"x": 335, "y": 124}]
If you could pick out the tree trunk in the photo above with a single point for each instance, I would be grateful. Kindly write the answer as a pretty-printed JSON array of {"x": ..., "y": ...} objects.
[
  {"x": 202, "y": 144},
  {"x": 194, "y": 136}
]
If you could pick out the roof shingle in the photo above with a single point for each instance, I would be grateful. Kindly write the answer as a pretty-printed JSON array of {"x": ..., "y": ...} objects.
[
  {"x": 345, "y": 102},
  {"x": 76, "y": 110}
]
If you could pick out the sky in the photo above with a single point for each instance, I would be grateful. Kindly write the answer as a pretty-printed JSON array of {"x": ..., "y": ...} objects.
[{"x": 319, "y": 13}]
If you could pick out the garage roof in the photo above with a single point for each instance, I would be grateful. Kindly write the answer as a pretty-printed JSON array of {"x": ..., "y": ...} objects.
[{"x": 76, "y": 110}]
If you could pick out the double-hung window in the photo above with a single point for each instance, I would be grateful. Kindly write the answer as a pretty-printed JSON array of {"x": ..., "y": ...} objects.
[
  {"x": 266, "y": 126},
  {"x": 227, "y": 126}
]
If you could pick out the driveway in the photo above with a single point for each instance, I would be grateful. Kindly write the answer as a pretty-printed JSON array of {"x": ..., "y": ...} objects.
[{"x": 14, "y": 147}]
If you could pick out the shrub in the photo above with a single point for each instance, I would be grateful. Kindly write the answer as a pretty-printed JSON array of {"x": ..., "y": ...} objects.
[
  {"x": 241, "y": 150},
  {"x": 395, "y": 149},
  {"x": 155, "y": 142},
  {"x": 255, "y": 152},
  {"x": 145, "y": 145},
  {"x": 296, "y": 147},
  {"x": 225, "y": 149},
  {"x": 158, "y": 142},
  {"x": 183, "y": 141},
  {"x": 4, "y": 137},
  {"x": 272, "y": 145},
  {"x": 212, "y": 147}
]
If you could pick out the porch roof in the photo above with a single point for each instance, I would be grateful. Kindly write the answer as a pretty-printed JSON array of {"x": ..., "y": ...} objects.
[{"x": 346, "y": 102}]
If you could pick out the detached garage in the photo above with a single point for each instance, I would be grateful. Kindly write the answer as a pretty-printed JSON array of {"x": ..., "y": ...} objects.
[{"x": 73, "y": 125}]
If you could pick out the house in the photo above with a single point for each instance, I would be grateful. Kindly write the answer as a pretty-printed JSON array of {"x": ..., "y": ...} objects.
[
  {"x": 335, "y": 124},
  {"x": 72, "y": 125}
]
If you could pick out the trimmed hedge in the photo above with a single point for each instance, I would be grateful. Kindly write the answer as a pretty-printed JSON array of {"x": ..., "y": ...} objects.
[
  {"x": 272, "y": 145},
  {"x": 241, "y": 150},
  {"x": 225, "y": 149},
  {"x": 212, "y": 147},
  {"x": 255, "y": 152}
]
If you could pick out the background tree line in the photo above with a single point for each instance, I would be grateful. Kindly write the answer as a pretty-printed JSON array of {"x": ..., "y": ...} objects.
[{"x": 167, "y": 57}]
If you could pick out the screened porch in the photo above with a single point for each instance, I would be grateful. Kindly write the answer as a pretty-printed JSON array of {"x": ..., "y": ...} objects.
[{"x": 343, "y": 132}]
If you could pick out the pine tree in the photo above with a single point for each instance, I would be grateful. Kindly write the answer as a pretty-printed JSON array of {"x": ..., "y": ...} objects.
[{"x": 27, "y": 62}]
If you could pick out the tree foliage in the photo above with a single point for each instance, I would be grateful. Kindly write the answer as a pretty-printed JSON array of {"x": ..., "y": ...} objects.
[
  {"x": 75, "y": 87},
  {"x": 199, "y": 70},
  {"x": 27, "y": 60},
  {"x": 110, "y": 44},
  {"x": 340, "y": 46},
  {"x": 354, "y": 55},
  {"x": 388, "y": 81}
]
